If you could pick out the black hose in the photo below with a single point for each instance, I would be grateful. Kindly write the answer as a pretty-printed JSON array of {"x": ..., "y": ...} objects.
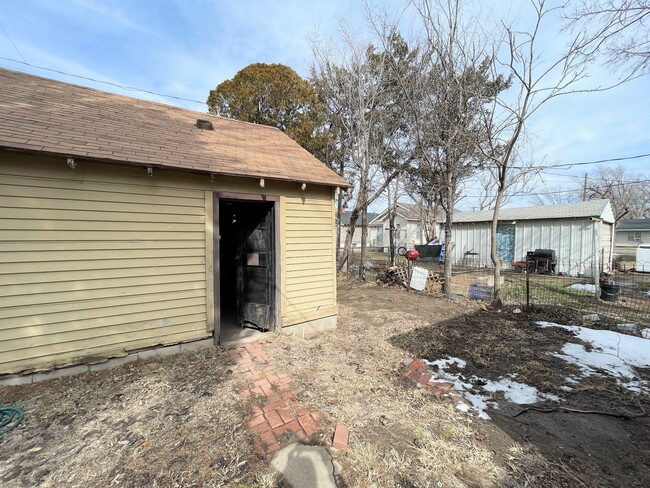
[{"x": 10, "y": 418}]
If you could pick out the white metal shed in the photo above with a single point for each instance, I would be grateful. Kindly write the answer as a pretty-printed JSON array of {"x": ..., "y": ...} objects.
[{"x": 581, "y": 234}]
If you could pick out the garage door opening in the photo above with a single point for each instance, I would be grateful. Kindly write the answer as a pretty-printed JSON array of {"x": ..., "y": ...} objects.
[{"x": 246, "y": 254}]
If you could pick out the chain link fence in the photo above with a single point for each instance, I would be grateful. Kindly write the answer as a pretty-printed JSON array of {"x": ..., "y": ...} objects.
[{"x": 621, "y": 293}]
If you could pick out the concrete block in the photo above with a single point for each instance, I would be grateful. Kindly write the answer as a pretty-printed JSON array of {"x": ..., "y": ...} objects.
[
  {"x": 60, "y": 373},
  {"x": 159, "y": 352},
  {"x": 113, "y": 363},
  {"x": 197, "y": 345},
  {"x": 16, "y": 380},
  {"x": 312, "y": 327}
]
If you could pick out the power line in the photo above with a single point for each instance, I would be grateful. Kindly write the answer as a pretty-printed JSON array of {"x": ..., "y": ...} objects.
[
  {"x": 129, "y": 88},
  {"x": 582, "y": 163},
  {"x": 15, "y": 47},
  {"x": 557, "y": 192},
  {"x": 174, "y": 97}
]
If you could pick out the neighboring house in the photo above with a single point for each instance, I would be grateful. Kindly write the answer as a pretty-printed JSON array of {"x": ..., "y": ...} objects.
[
  {"x": 408, "y": 227},
  {"x": 629, "y": 234},
  {"x": 127, "y": 225},
  {"x": 356, "y": 238},
  {"x": 581, "y": 234}
]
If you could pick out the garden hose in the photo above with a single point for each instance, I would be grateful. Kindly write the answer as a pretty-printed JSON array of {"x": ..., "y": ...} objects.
[{"x": 10, "y": 418}]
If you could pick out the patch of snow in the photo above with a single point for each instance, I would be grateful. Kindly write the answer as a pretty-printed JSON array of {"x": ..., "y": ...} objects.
[
  {"x": 463, "y": 407},
  {"x": 513, "y": 391},
  {"x": 516, "y": 310},
  {"x": 518, "y": 393},
  {"x": 615, "y": 353},
  {"x": 592, "y": 317},
  {"x": 645, "y": 333},
  {"x": 480, "y": 403},
  {"x": 590, "y": 287}
]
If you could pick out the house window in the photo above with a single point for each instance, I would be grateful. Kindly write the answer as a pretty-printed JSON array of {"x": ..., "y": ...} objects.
[{"x": 634, "y": 237}]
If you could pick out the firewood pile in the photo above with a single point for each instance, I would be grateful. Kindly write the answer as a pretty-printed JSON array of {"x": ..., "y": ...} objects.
[
  {"x": 392, "y": 276},
  {"x": 397, "y": 276}
]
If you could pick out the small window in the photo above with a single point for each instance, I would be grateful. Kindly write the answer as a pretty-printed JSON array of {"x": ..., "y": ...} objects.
[{"x": 634, "y": 236}]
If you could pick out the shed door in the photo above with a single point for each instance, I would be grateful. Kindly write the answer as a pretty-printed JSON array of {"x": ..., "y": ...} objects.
[
  {"x": 255, "y": 264},
  {"x": 506, "y": 243}
]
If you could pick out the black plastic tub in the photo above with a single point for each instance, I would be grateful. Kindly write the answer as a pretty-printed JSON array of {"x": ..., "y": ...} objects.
[
  {"x": 429, "y": 252},
  {"x": 609, "y": 293}
]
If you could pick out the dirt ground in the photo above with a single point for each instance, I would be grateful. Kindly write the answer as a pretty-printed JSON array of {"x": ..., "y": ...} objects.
[{"x": 178, "y": 421}]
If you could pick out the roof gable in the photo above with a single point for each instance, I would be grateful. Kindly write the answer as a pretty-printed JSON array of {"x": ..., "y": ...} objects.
[
  {"x": 600, "y": 209},
  {"x": 405, "y": 210},
  {"x": 345, "y": 218},
  {"x": 40, "y": 115},
  {"x": 633, "y": 224}
]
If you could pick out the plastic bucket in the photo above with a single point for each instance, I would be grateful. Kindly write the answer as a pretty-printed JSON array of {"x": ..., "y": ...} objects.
[{"x": 609, "y": 293}]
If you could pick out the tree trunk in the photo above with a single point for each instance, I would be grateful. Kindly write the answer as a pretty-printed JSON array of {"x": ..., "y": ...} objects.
[
  {"x": 449, "y": 246},
  {"x": 348, "y": 238},
  {"x": 496, "y": 262},
  {"x": 364, "y": 235},
  {"x": 391, "y": 226}
]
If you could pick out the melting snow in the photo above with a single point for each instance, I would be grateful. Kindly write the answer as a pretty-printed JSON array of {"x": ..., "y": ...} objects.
[
  {"x": 513, "y": 391},
  {"x": 590, "y": 287},
  {"x": 617, "y": 354}
]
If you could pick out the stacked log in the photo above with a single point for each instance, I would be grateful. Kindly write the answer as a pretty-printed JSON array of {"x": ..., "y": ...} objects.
[{"x": 397, "y": 276}]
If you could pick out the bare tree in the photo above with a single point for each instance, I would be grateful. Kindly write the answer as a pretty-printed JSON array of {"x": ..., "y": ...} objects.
[
  {"x": 534, "y": 83},
  {"x": 447, "y": 98},
  {"x": 518, "y": 182},
  {"x": 353, "y": 81},
  {"x": 556, "y": 195},
  {"x": 618, "y": 31},
  {"x": 629, "y": 194}
]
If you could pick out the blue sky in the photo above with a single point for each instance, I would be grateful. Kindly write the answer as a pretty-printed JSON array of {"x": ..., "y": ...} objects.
[{"x": 185, "y": 48}]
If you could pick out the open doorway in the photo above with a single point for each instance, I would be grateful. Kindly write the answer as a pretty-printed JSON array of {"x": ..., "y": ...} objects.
[{"x": 246, "y": 253}]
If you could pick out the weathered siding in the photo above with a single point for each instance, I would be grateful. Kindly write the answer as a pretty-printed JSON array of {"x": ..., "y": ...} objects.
[
  {"x": 102, "y": 259},
  {"x": 577, "y": 242},
  {"x": 308, "y": 269},
  {"x": 91, "y": 266},
  {"x": 607, "y": 245}
]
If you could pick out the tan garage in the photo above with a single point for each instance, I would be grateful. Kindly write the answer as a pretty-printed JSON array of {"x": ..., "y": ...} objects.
[{"x": 127, "y": 225}]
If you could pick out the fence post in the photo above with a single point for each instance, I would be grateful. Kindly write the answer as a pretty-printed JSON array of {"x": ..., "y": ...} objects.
[{"x": 527, "y": 283}]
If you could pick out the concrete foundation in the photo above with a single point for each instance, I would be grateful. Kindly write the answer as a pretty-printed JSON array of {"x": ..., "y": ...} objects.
[
  {"x": 312, "y": 327},
  {"x": 160, "y": 351},
  {"x": 304, "y": 329}
]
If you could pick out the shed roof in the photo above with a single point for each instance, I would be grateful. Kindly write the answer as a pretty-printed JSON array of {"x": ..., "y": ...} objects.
[
  {"x": 600, "y": 209},
  {"x": 633, "y": 224},
  {"x": 40, "y": 115},
  {"x": 345, "y": 217}
]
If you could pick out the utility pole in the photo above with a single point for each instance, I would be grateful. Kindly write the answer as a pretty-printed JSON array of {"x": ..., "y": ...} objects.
[{"x": 584, "y": 189}]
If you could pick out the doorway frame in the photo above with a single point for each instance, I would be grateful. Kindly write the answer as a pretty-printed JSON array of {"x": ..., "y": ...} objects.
[{"x": 217, "y": 196}]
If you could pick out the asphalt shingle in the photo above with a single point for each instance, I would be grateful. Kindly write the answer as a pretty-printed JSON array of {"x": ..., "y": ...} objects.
[{"x": 47, "y": 116}]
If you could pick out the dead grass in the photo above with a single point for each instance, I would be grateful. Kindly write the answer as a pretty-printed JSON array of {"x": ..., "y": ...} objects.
[
  {"x": 169, "y": 422},
  {"x": 178, "y": 421},
  {"x": 401, "y": 435}
]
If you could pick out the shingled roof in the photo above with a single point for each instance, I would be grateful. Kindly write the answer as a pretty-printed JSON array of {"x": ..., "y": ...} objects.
[
  {"x": 591, "y": 208},
  {"x": 40, "y": 115}
]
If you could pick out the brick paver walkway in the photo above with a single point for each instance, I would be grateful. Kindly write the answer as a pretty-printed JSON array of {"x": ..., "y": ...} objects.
[{"x": 277, "y": 418}]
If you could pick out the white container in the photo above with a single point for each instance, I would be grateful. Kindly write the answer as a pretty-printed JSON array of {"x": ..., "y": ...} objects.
[{"x": 643, "y": 258}]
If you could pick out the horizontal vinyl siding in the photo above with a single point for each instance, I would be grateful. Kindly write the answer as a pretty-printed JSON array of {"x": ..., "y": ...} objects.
[
  {"x": 309, "y": 284},
  {"x": 93, "y": 266}
]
